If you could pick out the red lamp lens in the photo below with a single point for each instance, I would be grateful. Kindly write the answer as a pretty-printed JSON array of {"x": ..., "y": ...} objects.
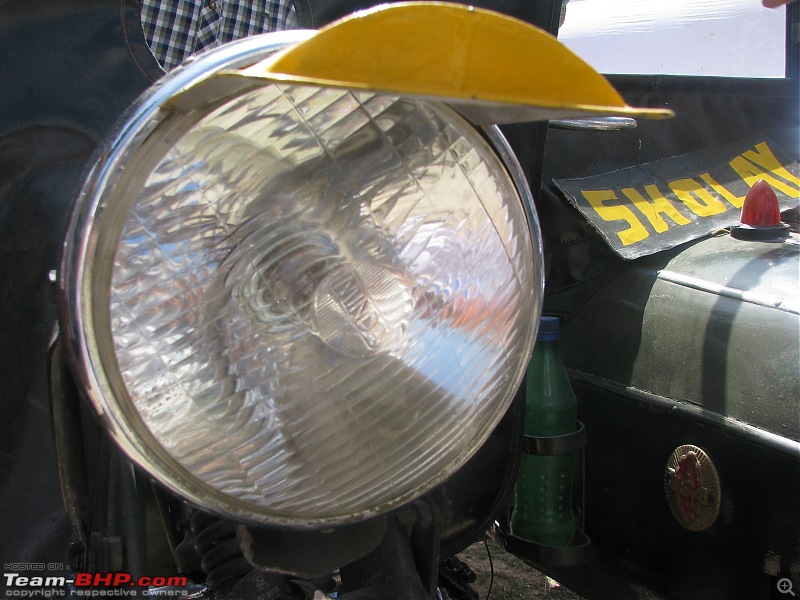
[{"x": 760, "y": 208}]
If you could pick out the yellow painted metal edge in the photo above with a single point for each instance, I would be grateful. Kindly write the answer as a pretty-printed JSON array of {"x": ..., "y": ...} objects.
[{"x": 489, "y": 66}]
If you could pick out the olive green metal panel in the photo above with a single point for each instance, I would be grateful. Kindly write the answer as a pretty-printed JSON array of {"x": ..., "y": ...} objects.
[{"x": 716, "y": 326}]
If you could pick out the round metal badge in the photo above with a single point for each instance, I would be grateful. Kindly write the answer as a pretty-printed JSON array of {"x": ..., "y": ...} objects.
[{"x": 693, "y": 489}]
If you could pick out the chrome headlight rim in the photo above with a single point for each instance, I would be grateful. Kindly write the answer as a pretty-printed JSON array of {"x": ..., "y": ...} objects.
[{"x": 86, "y": 274}]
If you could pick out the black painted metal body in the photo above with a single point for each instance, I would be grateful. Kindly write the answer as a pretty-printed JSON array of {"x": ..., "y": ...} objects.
[{"x": 68, "y": 72}]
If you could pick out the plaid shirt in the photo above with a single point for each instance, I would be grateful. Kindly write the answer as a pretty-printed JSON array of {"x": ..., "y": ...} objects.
[{"x": 176, "y": 29}]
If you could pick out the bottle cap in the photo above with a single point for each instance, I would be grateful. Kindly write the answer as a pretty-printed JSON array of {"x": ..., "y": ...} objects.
[{"x": 549, "y": 329}]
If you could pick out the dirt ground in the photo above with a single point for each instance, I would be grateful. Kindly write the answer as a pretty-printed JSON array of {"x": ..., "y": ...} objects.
[{"x": 513, "y": 579}]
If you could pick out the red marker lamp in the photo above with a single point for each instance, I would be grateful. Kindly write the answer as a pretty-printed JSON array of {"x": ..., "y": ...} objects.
[{"x": 761, "y": 215}]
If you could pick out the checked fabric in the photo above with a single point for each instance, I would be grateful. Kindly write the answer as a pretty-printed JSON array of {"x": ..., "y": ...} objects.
[{"x": 177, "y": 29}]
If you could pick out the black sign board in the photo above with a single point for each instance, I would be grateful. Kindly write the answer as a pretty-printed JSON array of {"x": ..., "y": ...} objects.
[{"x": 654, "y": 206}]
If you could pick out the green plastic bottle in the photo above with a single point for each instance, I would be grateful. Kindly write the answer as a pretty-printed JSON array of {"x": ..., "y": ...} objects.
[{"x": 543, "y": 506}]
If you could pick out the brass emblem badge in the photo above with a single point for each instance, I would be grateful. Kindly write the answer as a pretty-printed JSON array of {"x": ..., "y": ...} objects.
[{"x": 693, "y": 490}]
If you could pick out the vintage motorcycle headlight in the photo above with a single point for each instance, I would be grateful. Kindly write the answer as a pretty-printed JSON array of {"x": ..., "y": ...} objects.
[{"x": 299, "y": 305}]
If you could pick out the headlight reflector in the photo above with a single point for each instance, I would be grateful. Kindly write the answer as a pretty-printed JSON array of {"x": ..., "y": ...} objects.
[{"x": 300, "y": 305}]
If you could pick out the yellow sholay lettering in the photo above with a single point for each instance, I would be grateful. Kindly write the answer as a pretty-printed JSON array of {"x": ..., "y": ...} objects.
[
  {"x": 653, "y": 210},
  {"x": 752, "y": 165},
  {"x": 705, "y": 205},
  {"x": 735, "y": 200},
  {"x": 635, "y": 233},
  {"x": 752, "y": 173},
  {"x": 764, "y": 158}
]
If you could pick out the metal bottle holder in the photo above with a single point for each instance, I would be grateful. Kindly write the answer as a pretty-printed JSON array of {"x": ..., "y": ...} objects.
[{"x": 579, "y": 548}]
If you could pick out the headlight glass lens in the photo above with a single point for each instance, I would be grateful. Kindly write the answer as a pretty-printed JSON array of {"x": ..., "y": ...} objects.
[{"x": 314, "y": 306}]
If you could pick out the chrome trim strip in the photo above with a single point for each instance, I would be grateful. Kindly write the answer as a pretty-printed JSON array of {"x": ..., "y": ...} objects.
[
  {"x": 594, "y": 124},
  {"x": 703, "y": 285}
]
